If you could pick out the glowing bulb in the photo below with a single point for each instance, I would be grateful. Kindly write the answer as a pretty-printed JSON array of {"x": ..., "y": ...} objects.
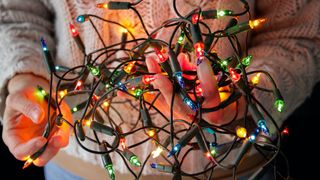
[
  {"x": 110, "y": 170},
  {"x": 263, "y": 126},
  {"x": 88, "y": 122},
  {"x": 44, "y": 45},
  {"x": 94, "y": 70},
  {"x": 190, "y": 103},
  {"x": 175, "y": 149},
  {"x": 63, "y": 93},
  {"x": 151, "y": 132},
  {"x": 28, "y": 163},
  {"x": 279, "y": 105},
  {"x": 255, "y": 80},
  {"x": 134, "y": 160},
  {"x": 123, "y": 143},
  {"x": 147, "y": 79},
  {"x": 181, "y": 38},
  {"x": 285, "y": 131},
  {"x": 81, "y": 18},
  {"x": 102, "y": 6},
  {"x": 221, "y": 13},
  {"x": 124, "y": 30},
  {"x": 161, "y": 57},
  {"x": 247, "y": 60},
  {"x": 224, "y": 63},
  {"x": 105, "y": 104},
  {"x": 74, "y": 109},
  {"x": 199, "y": 48},
  {"x": 213, "y": 151},
  {"x": 196, "y": 17},
  {"x": 73, "y": 30},
  {"x": 138, "y": 92},
  {"x": 40, "y": 92},
  {"x": 156, "y": 153},
  {"x": 234, "y": 75},
  {"x": 241, "y": 132},
  {"x": 255, "y": 23},
  {"x": 128, "y": 68},
  {"x": 78, "y": 85}
]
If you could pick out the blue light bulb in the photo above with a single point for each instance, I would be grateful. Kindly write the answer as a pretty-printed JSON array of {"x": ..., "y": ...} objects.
[
  {"x": 44, "y": 45},
  {"x": 178, "y": 76},
  {"x": 190, "y": 103},
  {"x": 263, "y": 126},
  {"x": 81, "y": 19},
  {"x": 175, "y": 149},
  {"x": 153, "y": 165}
]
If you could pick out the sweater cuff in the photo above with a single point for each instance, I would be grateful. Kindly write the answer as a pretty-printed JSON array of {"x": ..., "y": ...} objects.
[{"x": 33, "y": 65}]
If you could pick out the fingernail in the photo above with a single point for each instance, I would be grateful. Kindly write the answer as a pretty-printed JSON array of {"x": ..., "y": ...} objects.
[{"x": 35, "y": 113}]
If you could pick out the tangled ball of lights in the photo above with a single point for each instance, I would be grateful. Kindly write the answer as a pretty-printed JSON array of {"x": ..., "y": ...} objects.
[{"x": 131, "y": 76}]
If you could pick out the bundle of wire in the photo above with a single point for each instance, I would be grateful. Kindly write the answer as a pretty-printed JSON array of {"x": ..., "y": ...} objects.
[{"x": 131, "y": 76}]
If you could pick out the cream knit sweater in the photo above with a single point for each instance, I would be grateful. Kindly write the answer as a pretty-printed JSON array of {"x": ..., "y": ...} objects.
[{"x": 288, "y": 46}]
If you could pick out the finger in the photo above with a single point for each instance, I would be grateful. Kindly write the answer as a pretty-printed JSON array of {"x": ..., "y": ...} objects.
[
  {"x": 210, "y": 92},
  {"x": 208, "y": 83},
  {"x": 21, "y": 149},
  {"x": 51, "y": 150},
  {"x": 166, "y": 89},
  {"x": 153, "y": 66},
  {"x": 19, "y": 102},
  {"x": 185, "y": 64}
]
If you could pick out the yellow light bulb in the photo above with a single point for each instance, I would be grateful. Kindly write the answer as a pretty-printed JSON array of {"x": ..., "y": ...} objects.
[
  {"x": 63, "y": 93},
  {"x": 241, "y": 132},
  {"x": 151, "y": 133},
  {"x": 255, "y": 23},
  {"x": 105, "y": 104},
  {"x": 88, "y": 122},
  {"x": 255, "y": 80},
  {"x": 156, "y": 153},
  {"x": 27, "y": 163}
]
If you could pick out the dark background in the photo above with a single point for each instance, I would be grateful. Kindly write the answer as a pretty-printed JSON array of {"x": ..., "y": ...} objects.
[{"x": 299, "y": 146}]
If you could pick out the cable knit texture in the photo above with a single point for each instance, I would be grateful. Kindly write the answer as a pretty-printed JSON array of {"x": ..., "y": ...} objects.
[{"x": 287, "y": 47}]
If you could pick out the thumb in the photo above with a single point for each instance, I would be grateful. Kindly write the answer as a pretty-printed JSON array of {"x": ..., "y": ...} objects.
[{"x": 19, "y": 102}]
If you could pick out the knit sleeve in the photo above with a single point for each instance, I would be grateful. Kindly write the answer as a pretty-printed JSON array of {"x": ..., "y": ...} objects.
[
  {"x": 288, "y": 48},
  {"x": 22, "y": 23}
]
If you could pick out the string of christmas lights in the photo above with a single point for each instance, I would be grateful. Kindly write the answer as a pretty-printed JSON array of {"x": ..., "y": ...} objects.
[{"x": 130, "y": 76}]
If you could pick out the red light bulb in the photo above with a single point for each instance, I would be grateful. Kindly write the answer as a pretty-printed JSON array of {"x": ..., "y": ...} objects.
[
  {"x": 161, "y": 57},
  {"x": 147, "y": 79},
  {"x": 73, "y": 30},
  {"x": 196, "y": 17},
  {"x": 199, "y": 48},
  {"x": 78, "y": 85},
  {"x": 234, "y": 75}
]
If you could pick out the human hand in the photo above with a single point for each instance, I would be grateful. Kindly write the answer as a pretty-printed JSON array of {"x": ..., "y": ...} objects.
[
  {"x": 209, "y": 91},
  {"x": 25, "y": 119}
]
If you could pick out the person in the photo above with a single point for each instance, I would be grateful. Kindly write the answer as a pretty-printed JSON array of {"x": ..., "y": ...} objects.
[{"x": 287, "y": 47}]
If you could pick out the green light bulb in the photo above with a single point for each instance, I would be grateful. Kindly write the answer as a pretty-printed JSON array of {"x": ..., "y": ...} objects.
[
  {"x": 279, "y": 105},
  {"x": 221, "y": 13},
  {"x": 213, "y": 152},
  {"x": 95, "y": 71},
  {"x": 224, "y": 63},
  {"x": 110, "y": 170},
  {"x": 75, "y": 109},
  {"x": 247, "y": 60},
  {"x": 40, "y": 92},
  {"x": 138, "y": 92},
  {"x": 134, "y": 160},
  {"x": 181, "y": 38}
]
